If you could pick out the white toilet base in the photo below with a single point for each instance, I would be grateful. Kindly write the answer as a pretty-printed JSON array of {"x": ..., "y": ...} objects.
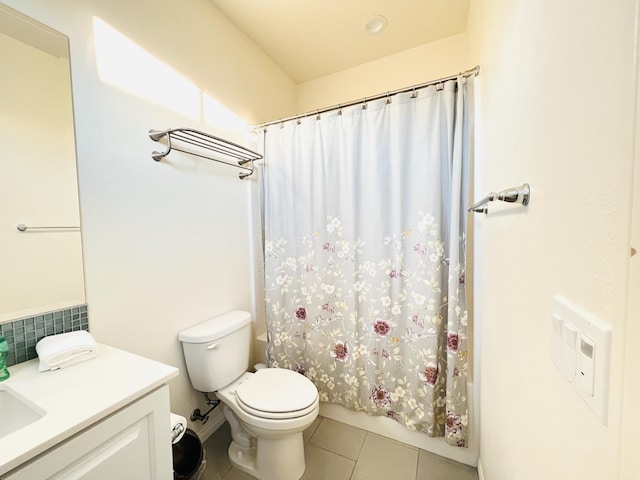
[
  {"x": 272, "y": 459},
  {"x": 239, "y": 434}
]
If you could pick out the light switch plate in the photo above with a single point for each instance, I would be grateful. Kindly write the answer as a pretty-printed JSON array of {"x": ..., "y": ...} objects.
[
  {"x": 594, "y": 392},
  {"x": 569, "y": 352},
  {"x": 557, "y": 324}
]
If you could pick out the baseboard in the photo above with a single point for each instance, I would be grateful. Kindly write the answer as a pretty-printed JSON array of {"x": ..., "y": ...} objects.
[{"x": 480, "y": 472}]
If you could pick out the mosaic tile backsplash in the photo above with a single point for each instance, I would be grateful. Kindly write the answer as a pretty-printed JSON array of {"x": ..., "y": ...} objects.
[{"x": 23, "y": 334}]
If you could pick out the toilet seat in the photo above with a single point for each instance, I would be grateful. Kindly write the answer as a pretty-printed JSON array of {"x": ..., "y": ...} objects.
[
  {"x": 274, "y": 415},
  {"x": 277, "y": 393}
]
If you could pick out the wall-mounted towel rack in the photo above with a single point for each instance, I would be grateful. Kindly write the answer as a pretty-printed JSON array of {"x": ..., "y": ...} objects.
[
  {"x": 208, "y": 145},
  {"x": 511, "y": 195},
  {"x": 23, "y": 228}
]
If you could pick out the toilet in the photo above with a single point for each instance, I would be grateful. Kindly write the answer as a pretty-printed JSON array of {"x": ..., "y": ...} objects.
[{"x": 267, "y": 410}]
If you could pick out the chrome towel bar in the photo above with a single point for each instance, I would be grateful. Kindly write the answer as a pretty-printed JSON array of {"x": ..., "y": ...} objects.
[
  {"x": 23, "y": 228},
  {"x": 519, "y": 195},
  {"x": 207, "y": 144}
]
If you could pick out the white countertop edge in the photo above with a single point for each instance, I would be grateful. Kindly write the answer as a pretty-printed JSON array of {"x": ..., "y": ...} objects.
[{"x": 76, "y": 397}]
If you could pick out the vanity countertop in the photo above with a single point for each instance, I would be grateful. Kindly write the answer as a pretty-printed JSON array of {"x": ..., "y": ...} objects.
[{"x": 76, "y": 397}]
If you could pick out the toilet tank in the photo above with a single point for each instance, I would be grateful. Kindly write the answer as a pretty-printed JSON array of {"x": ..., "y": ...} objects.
[{"x": 217, "y": 351}]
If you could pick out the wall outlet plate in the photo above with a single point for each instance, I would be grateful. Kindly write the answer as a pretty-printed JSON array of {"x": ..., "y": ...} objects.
[{"x": 594, "y": 390}]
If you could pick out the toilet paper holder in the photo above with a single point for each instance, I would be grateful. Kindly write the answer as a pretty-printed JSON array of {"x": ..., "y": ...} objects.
[
  {"x": 177, "y": 432},
  {"x": 178, "y": 426}
]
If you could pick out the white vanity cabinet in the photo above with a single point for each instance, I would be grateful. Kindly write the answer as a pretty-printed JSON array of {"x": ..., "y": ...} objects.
[
  {"x": 103, "y": 419},
  {"x": 125, "y": 445}
]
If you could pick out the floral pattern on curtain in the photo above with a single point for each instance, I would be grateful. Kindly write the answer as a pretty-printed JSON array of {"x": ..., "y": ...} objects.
[{"x": 364, "y": 257}]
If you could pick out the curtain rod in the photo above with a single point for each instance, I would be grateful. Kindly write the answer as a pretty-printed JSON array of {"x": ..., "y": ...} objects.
[{"x": 475, "y": 71}]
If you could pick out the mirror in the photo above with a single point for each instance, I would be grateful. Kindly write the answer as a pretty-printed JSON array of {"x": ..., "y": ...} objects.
[{"x": 41, "y": 266}]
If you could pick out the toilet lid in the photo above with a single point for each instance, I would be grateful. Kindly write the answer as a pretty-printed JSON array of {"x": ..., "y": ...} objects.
[{"x": 277, "y": 391}]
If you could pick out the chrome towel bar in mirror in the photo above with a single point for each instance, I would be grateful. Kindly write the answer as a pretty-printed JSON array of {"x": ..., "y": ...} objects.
[
  {"x": 519, "y": 195},
  {"x": 23, "y": 228}
]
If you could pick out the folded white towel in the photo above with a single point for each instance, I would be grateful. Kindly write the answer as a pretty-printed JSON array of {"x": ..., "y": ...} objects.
[{"x": 66, "y": 349}]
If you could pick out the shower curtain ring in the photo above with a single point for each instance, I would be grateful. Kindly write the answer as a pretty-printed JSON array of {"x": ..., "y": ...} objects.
[{"x": 364, "y": 103}]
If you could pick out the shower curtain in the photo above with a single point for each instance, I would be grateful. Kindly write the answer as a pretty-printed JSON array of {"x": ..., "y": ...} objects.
[{"x": 364, "y": 244}]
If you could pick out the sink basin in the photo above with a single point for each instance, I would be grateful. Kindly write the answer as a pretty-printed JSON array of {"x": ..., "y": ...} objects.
[{"x": 17, "y": 412}]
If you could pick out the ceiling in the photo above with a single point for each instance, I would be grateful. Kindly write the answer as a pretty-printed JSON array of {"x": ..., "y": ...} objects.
[{"x": 309, "y": 39}]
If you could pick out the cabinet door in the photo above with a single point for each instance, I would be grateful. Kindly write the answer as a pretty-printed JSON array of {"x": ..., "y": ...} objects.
[{"x": 126, "y": 445}]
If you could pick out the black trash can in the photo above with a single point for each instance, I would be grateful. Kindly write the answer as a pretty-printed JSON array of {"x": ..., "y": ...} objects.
[{"x": 188, "y": 457}]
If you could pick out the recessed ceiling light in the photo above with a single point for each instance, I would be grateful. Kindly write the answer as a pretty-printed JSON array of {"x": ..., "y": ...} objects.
[{"x": 374, "y": 24}]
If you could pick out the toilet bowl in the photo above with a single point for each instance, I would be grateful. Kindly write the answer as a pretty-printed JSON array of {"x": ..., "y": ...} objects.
[
  {"x": 267, "y": 410},
  {"x": 273, "y": 406}
]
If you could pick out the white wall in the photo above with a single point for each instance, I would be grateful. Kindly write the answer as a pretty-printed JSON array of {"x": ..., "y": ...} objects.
[
  {"x": 416, "y": 65},
  {"x": 630, "y": 461},
  {"x": 166, "y": 245},
  {"x": 557, "y": 105}
]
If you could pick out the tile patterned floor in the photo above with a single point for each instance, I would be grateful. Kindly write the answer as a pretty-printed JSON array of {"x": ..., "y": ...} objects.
[{"x": 336, "y": 451}]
